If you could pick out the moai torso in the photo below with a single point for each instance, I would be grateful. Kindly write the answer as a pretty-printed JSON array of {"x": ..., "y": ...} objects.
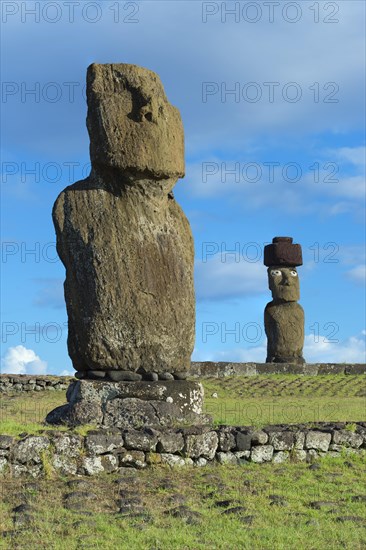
[
  {"x": 284, "y": 317},
  {"x": 126, "y": 244},
  {"x": 284, "y": 325}
]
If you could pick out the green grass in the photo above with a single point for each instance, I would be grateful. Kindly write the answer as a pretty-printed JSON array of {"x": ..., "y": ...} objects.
[
  {"x": 25, "y": 412},
  {"x": 276, "y": 399},
  {"x": 242, "y": 400},
  {"x": 273, "y": 527}
]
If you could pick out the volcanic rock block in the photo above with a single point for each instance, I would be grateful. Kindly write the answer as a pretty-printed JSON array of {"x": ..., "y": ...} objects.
[
  {"x": 282, "y": 251},
  {"x": 131, "y": 404},
  {"x": 125, "y": 243}
]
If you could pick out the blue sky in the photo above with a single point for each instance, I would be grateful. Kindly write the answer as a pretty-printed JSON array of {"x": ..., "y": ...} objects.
[{"x": 272, "y": 98}]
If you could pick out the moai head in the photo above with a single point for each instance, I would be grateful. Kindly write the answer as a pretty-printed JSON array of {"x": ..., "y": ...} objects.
[
  {"x": 132, "y": 126},
  {"x": 284, "y": 283},
  {"x": 281, "y": 257}
]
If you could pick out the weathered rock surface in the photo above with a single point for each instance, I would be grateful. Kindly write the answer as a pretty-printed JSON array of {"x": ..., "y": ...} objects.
[
  {"x": 3, "y": 463},
  {"x": 226, "y": 458},
  {"x": 204, "y": 445},
  {"x": 282, "y": 252},
  {"x": 97, "y": 443},
  {"x": 68, "y": 445},
  {"x": 243, "y": 441},
  {"x": 126, "y": 244},
  {"x": 117, "y": 449},
  {"x": 262, "y": 453},
  {"x": 132, "y": 125},
  {"x": 259, "y": 437},
  {"x": 284, "y": 324},
  {"x": 226, "y": 440},
  {"x": 184, "y": 394},
  {"x": 317, "y": 440},
  {"x": 347, "y": 438},
  {"x": 30, "y": 449},
  {"x": 281, "y": 456},
  {"x": 131, "y": 404},
  {"x": 281, "y": 441},
  {"x": 170, "y": 442}
]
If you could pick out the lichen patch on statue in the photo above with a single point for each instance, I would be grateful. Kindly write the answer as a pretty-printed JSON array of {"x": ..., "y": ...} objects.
[{"x": 283, "y": 316}]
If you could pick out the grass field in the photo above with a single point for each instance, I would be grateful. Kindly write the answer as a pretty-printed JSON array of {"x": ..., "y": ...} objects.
[
  {"x": 241, "y": 400},
  {"x": 276, "y": 399},
  {"x": 252, "y": 506},
  {"x": 217, "y": 507}
]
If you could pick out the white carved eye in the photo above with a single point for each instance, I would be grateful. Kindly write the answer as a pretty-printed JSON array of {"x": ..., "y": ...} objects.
[
  {"x": 293, "y": 273},
  {"x": 276, "y": 273}
]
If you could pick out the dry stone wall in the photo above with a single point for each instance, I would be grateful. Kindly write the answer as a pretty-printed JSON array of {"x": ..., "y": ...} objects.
[
  {"x": 26, "y": 383},
  {"x": 221, "y": 370},
  {"x": 68, "y": 453},
  {"x": 202, "y": 370}
]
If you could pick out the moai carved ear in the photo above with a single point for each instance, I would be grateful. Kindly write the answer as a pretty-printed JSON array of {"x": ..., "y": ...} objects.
[{"x": 132, "y": 126}]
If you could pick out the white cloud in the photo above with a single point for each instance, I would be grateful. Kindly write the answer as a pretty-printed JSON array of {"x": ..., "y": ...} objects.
[
  {"x": 353, "y": 155},
  {"x": 354, "y": 257},
  {"x": 357, "y": 274},
  {"x": 353, "y": 187},
  {"x": 352, "y": 350},
  {"x": 256, "y": 354},
  {"x": 351, "y": 164},
  {"x": 231, "y": 52},
  {"x": 21, "y": 360},
  {"x": 223, "y": 277},
  {"x": 337, "y": 187},
  {"x": 243, "y": 177},
  {"x": 66, "y": 372},
  {"x": 352, "y": 254}
]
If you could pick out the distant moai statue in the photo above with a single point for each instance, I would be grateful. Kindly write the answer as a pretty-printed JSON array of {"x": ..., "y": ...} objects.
[
  {"x": 284, "y": 317},
  {"x": 125, "y": 242}
]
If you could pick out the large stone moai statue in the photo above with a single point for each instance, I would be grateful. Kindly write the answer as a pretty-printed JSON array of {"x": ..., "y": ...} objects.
[
  {"x": 125, "y": 243},
  {"x": 284, "y": 317}
]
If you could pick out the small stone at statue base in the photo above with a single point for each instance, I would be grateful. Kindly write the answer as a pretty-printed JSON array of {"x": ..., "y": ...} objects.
[
  {"x": 124, "y": 375},
  {"x": 181, "y": 375},
  {"x": 151, "y": 376},
  {"x": 166, "y": 376},
  {"x": 96, "y": 374}
]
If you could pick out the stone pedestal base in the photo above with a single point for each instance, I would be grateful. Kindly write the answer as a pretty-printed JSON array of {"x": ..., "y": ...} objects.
[{"x": 131, "y": 404}]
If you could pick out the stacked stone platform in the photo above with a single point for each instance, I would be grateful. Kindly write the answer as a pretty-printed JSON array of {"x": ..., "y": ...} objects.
[
  {"x": 131, "y": 404},
  {"x": 111, "y": 450}
]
